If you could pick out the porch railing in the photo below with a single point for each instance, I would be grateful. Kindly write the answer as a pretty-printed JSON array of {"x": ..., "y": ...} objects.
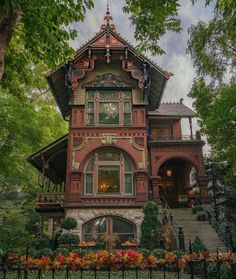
[
  {"x": 49, "y": 199},
  {"x": 175, "y": 137},
  {"x": 225, "y": 235},
  {"x": 178, "y": 228}
]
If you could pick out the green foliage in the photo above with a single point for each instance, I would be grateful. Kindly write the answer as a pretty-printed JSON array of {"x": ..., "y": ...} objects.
[
  {"x": 212, "y": 47},
  {"x": 43, "y": 242},
  {"x": 145, "y": 252},
  {"x": 69, "y": 223},
  {"x": 198, "y": 246},
  {"x": 159, "y": 253},
  {"x": 63, "y": 251},
  {"x": 197, "y": 208},
  {"x": 44, "y": 252},
  {"x": 40, "y": 33},
  {"x": 81, "y": 252},
  {"x": 224, "y": 269},
  {"x": 68, "y": 239},
  {"x": 152, "y": 19},
  {"x": 201, "y": 216},
  {"x": 150, "y": 228}
]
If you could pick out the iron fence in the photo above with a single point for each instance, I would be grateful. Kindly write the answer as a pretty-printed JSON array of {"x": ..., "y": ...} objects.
[{"x": 192, "y": 270}]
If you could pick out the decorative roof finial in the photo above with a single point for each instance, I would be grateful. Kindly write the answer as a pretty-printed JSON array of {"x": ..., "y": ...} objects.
[{"x": 108, "y": 16}]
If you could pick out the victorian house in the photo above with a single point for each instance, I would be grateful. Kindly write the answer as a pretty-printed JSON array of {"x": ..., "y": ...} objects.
[{"x": 124, "y": 146}]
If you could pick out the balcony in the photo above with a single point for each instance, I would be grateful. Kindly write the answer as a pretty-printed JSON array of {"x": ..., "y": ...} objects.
[
  {"x": 176, "y": 140},
  {"x": 50, "y": 202}
]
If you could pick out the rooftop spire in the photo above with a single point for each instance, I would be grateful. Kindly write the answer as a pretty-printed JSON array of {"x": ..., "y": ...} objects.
[{"x": 108, "y": 16}]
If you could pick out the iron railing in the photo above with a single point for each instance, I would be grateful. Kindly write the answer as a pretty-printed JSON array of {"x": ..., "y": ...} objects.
[
  {"x": 225, "y": 235},
  {"x": 175, "y": 137},
  {"x": 193, "y": 269},
  {"x": 178, "y": 228},
  {"x": 55, "y": 199}
]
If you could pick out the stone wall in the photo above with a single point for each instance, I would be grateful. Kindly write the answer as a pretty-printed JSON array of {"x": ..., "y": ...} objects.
[{"x": 82, "y": 216}]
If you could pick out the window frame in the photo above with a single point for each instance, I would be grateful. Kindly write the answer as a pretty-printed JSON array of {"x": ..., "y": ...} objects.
[
  {"x": 97, "y": 99},
  {"x": 122, "y": 174}
]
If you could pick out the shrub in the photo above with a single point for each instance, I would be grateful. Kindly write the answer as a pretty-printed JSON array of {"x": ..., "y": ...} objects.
[
  {"x": 43, "y": 242},
  {"x": 68, "y": 238},
  {"x": 44, "y": 252},
  {"x": 62, "y": 251},
  {"x": 69, "y": 223},
  {"x": 197, "y": 208},
  {"x": 81, "y": 252},
  {"x": 159, "y": 253},
  {"x": 214, "y": 270},
  {"x": 145, "y": 252},
  {"x": 150, "y": 228},
  {"x": 201, "y": 216},
  {"x": 198, "y": 246}
]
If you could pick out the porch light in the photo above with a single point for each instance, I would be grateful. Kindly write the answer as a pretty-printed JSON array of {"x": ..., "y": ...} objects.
[{"x": 169, "y": 172}]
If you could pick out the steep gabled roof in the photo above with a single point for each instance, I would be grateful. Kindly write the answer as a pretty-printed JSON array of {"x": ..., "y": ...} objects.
[{"x": 108, "y": 40}]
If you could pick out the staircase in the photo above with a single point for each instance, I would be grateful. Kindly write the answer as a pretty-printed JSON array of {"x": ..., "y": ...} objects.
[{"x": 193, "y": 228}]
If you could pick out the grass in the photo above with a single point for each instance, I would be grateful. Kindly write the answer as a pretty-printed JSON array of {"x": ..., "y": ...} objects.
[{"x": 102, "y": 275}]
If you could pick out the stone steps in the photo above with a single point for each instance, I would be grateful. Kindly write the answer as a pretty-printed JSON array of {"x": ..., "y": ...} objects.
[{"x": 202, "y": 229}]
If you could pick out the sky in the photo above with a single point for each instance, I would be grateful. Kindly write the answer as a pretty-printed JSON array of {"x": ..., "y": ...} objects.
[{"x": 176, "y": 60}]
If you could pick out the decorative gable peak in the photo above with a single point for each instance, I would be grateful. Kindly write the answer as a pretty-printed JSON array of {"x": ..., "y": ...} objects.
[{"x": 108, "y": 18}]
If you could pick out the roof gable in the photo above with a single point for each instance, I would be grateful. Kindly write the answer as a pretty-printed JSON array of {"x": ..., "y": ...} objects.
[{"x": 151, "y": 79}]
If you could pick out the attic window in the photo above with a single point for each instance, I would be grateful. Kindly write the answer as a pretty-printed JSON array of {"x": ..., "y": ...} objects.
[{"x": 108, "y": 107}]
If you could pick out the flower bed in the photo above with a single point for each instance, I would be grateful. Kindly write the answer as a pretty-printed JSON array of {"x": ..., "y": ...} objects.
[{"x": 119, "y": 260}]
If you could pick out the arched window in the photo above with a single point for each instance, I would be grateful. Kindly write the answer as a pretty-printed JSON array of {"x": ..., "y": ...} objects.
[
  {"x": 108, "y": 171},
  {"x": 94, "y": 229}
]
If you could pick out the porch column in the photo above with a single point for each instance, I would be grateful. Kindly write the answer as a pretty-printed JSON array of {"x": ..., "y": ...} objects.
[
  {"x": 203, "y": 182},
  {"x": 191, "y": 127},
  {"x": 156, "y": 182}
]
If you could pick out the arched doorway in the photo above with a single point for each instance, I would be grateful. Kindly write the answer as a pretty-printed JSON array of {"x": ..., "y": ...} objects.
[
  {"x": 121, "y": 227},
  {"x": 175, "y": 181}
]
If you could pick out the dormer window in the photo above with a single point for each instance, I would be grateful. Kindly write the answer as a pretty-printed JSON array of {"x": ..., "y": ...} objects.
[{"x": 108, "y": 107}]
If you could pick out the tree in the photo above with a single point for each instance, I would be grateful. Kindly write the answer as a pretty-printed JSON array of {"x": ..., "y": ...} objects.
[
  {"x": 212, "y": 47},
  {"x": 42, "y": 29},
  {"x": 213, "y": 50},
  {"x": 41, "y": 26}
]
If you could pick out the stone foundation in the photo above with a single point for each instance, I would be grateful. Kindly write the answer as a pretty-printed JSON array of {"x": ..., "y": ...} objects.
[{"x": 82, "y": 216}]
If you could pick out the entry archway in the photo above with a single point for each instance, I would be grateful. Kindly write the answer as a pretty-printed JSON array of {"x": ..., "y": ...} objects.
[{"x": 175, "y": 181}]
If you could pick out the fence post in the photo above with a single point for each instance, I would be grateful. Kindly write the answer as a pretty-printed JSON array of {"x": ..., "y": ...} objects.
[
  {"x": 191, "y": 262},
  {"x": 229, "y": 240},
  {"x": 181, "y": 239}
]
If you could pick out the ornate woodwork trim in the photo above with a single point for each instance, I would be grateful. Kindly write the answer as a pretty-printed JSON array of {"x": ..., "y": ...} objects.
[
  {"x": 136, "y": 73},
  {"x": 108, "y": 80}
]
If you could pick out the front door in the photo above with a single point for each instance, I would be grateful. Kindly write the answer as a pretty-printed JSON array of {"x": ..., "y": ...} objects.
[{"x": 169, "y": 192}]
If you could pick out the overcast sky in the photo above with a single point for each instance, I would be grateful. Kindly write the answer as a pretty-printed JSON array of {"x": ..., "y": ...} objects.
[{"x": 175, "y": 60}]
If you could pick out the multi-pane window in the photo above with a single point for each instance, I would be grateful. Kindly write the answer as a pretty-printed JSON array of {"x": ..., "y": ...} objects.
[
  {"x": 122, "y": 228},
  {"x": 108, "y": 171},
  {"x": 108, "y": 107},
  {"x": 162, "y": 133}
]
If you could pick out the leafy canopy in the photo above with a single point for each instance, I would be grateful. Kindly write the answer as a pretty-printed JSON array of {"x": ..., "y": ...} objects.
[{"x": 212, "y": 47}]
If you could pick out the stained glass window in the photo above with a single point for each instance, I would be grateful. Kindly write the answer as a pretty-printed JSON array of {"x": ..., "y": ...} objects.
[
  {"x": 105, "y": 106},
  {"x": 109, "y": 113}
]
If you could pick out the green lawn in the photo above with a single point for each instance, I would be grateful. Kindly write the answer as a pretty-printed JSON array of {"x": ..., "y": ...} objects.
[{"x": 103, "y": 275}]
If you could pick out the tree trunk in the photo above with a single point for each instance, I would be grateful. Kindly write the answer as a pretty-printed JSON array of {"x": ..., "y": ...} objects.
[{"x": 8, "y": 20}]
